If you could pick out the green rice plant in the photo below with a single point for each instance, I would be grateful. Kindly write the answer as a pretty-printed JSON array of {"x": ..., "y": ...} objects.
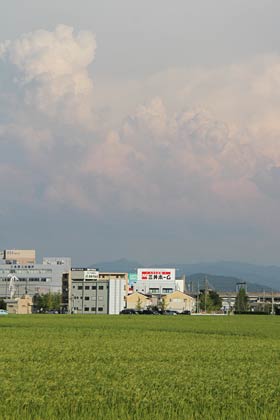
[{"x": 137, "y": 367}]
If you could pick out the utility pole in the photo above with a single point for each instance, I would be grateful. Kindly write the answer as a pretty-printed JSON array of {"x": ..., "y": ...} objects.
[
  {"x": 272, "y": 302},
  {"x": 205, "y": 292},
  {"x": 197, "y": 298}
]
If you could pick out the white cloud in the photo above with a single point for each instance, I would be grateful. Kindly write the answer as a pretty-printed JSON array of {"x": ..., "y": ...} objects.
[
  {"x": 205, "y": 141},
  {"x": 53, "y": 71}
]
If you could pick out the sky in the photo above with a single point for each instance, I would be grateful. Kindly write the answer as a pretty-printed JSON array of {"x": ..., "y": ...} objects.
[{"x": 144, "y": 130}]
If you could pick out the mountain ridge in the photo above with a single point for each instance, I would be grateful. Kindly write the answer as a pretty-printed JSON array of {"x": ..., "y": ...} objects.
[{"x": 260, "y": 276}]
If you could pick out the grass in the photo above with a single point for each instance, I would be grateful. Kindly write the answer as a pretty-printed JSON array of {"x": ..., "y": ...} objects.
[{"x": 139, "y": 367}]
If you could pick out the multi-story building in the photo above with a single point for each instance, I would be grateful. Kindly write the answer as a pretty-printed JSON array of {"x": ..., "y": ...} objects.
[
  {"x": 29, "y": 277},
  {"x": 158, "y": 281},
  {"x": 85, "y": 290}
]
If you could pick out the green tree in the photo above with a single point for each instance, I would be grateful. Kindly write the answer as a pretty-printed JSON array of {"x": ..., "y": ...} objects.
[
  {"x": 241, "y": 301},
  {"x": 205, "y": 302},
  {"x": 210, "y": 302},
  {"x": 138, "y": 306},
  {"x": 216, "y": 300},
  {"x": 47, "y": 302},
  {"x": 2, "y": 304},
  {"x": 163, "y": 304}
]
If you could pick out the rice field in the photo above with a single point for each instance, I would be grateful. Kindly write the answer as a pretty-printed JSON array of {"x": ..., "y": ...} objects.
[{"x": 139, "y": 367}]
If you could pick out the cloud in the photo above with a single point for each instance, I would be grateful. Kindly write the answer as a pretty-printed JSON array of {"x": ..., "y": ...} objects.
[
  {"x": 202, "y": 144},
  {"x": 53, "y": 72}
]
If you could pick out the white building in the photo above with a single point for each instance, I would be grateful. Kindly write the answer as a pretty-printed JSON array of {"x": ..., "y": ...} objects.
[
  {"x": 29, "y": 277},
  {"x": 158, "y": 281}
]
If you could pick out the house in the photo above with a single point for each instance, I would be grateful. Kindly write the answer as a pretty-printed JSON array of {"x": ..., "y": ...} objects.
[
  {"x": 138, "y": 300},
  {"x": 179, "y": 301},
  {"x": 21, "y": 306}
]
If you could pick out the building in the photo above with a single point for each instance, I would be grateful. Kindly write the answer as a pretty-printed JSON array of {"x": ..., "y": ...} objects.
[
  {"x": 20, "y": 306},
  {"x": 179, "y": 301},
  {"x": 158, "y": 281},
  {"x": 138, "y": 300},
  {"x": 29, "y": 277},
  {"x": 85, "y": 290},
  {"x": 256, "y": 300},
  {"x": 19, "y": 256}
]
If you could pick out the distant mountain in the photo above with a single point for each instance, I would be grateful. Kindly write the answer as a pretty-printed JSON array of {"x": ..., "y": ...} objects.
[
  {"x": 260, "y": 276},
  {"x": 221, "y": 283},
  {"x": 253, "y": 273}
]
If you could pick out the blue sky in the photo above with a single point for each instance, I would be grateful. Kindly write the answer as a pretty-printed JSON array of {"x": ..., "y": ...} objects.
[{"x": 144, "y": 130}]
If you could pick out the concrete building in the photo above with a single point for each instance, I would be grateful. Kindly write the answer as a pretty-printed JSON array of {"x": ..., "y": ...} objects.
[
  {"x": 158, "y": 281},
  {"x": 85, "y": 290},
  {"x": 255, "y": 299},
  {"x": 30, "y": 277}
]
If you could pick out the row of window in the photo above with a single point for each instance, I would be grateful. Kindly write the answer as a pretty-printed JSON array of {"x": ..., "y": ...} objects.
[
  {"x": 88, "y": 287},
  {"x": 156, "y": 290},
  {"x": 4, "y": 271},
  {"x": 27, "y": 279},
  {"x": 93, "y": 309},
  {"x": 88, "y": 297}
]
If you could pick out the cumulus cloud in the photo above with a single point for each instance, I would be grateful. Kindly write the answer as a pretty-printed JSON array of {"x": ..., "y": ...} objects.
[
  {"x": 53, "y": 71},
  {"x": 208, "y": 151}
]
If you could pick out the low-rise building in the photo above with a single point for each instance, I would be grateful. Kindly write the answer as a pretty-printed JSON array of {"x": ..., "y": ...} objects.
[
  {"x": 138, "y": 301},
  {"x": 179, "y": 301},
  {"x": 20, "y": 306}
]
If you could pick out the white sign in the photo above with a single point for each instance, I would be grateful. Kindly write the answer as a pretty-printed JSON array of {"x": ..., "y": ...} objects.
[
  {"x": 91, "y": 275},
  {"x": 161, "y": 274}
]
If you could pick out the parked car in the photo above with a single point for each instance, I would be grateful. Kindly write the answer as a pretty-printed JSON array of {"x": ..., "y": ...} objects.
[
  {"x": 185, "y": 312},
  {"x": 3, "y": 312},
  {"x": 128, "y": 312},
  {"x": 149, "y": 312},
  {"x": 169, "y": 312}
]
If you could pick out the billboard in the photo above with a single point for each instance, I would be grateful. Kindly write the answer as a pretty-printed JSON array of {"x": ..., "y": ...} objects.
[
  {"x": 87, "y": 273},
  {"x": 91, "y": 274},
  {"x": 132, "y": 278},
  {"x": 144, "y": 274}
]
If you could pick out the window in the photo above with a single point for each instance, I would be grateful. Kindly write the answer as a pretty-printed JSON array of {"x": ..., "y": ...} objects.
[
  {"x": 87, "y": 298},
  {"x": 167, "y": 290},
  {"x": 154, "y": 290},
  {"x": 100, "y": 309},
  {"x": 93, "y": 309},
  {"x": 93, "y": 287},
  {"x": 87, "y": 287},
  {"x": 86, "y": 309},
  {"x": 80, "y": 287},
  {"x": 100, "y": 287}
]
